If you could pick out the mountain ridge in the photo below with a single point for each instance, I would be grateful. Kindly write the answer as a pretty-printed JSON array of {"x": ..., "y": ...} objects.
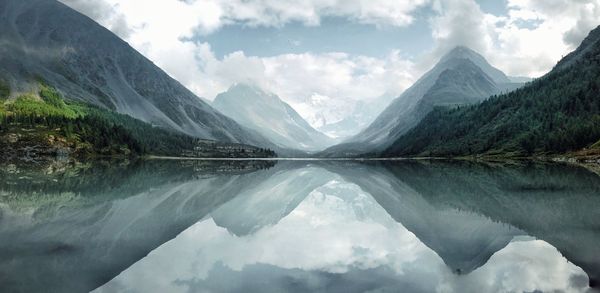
[
  {"x": 404, "y": 113},
  {"x": 273, "y": 118},
  {"x": 44, "y": 39},
  {"x": 556, "y": 113}
]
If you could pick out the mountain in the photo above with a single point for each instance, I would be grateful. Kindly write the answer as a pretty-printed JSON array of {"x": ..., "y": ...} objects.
[
  {"x": 462, "y": 76},
  {"x": 556, "y": 113},
  {"x": 46, "y": 40},
  {"x": 268, "y": 115}
]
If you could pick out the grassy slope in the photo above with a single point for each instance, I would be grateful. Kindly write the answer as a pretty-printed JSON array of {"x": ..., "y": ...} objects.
[{"x": 557, "y": 113}]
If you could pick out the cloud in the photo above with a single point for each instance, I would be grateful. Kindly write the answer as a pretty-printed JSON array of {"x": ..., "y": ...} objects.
[
  {"x": 340, "y": 230},
  {"x": 206, "y": 16},
  {"x": 528, "y": 40},
  {"x": 522, "y": 266},
  {"x": 310, "y": 12},
  {"x": 103, "y": 13},
  {"x": 458, "y": 22},
  {"x": 589, "y": 21},
  {"x": 324, "y": 87}
]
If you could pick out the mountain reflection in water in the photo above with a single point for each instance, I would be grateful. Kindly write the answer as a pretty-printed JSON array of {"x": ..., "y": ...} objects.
[{"x": 256, "y": 226}]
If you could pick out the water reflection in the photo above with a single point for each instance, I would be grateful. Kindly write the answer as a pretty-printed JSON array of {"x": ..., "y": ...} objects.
[
  {"x": 70, "y": 227},
  {"x": 307, "y": 226}
]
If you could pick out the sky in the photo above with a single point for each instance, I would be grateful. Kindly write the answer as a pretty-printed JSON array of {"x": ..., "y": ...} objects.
[{"x": 323, "y": 56}]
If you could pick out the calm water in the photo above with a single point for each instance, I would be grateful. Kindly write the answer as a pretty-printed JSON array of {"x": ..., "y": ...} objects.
[{"x": 170, "y": 226}]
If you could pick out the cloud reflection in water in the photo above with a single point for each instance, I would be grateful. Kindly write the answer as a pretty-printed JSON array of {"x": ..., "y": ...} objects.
[{"x": 337, "y": 239}]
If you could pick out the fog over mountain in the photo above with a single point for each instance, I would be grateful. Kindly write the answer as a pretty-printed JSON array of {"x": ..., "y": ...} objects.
[{"x": 267, "y": 114}]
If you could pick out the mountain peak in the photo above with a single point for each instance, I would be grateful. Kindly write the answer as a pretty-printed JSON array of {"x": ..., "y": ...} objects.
[
  {"x": 460, "y": 53},
  {"x": 464, "y": 83},
  {"x": 461, "y": 50},
  {"x": 242, "y": 92},
  {"x": 266, "y": 113}
]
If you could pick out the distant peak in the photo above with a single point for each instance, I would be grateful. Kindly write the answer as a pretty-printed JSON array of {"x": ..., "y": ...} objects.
[
  {"x": 460, "y": 54},
  {"x": 242, "y": 91}
]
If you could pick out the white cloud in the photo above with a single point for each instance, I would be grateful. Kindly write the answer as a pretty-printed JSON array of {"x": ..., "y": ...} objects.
[
  {"x": 209, "y": 15},
  {"x": 522, "y": 266},
  {"x": 104, "y": 13},
  {"x": 321, "y": 87},
  {"x": 310, "y": 12},
  {"x": 339, "y": 228},
  {"x": 527, "y": 41},
  {"x": 324, "y": 87},
  {"x": 573, "y": 18}
]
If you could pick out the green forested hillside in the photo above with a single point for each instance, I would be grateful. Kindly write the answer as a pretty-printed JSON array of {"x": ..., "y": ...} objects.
[
  {"x": 44, "y": 124},
  {"x": 557, "y": 113}
]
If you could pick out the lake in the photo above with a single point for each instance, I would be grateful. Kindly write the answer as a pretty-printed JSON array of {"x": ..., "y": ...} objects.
[{"x": 299, "y": 226}]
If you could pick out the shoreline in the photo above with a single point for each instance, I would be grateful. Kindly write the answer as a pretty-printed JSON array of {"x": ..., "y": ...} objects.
[
  {"x": 591, "y": 164},
  {"x": 278, "y": 159},
  {"x": 557, "y": 159}
]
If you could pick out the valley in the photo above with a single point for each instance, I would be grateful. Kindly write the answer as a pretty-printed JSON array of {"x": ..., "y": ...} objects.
[{"x": 299, "y": 146}]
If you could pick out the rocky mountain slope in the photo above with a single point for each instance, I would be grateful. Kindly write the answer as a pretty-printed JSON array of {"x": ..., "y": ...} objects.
[
  {"x": 46, "y": 40},
  {"x": 557, "y": 113},
  {"x": 270, "y": 116}
]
